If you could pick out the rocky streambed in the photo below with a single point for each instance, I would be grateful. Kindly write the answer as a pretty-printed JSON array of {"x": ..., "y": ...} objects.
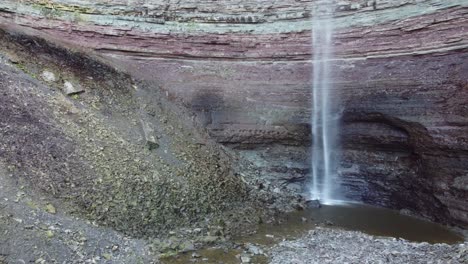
[
  {"x": 351, "y": 233},
  {"x": 324, "y": 245},
  {"x": 329, "y": 245}
]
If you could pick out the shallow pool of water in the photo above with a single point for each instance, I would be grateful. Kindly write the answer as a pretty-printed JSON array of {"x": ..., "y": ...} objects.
[
  {"x": 368, "y": 219},
  {"x": 359, "y": 217}
]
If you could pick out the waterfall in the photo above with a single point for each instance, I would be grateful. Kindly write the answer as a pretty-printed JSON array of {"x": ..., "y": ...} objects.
[{"x": 324, "y": 185}]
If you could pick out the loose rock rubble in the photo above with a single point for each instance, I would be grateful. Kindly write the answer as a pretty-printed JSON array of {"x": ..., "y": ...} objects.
[
  {"x": 89, "y": 150},
  {"x": 325, "y": 245}
]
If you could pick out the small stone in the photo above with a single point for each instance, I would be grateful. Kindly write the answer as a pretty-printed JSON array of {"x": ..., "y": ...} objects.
[
  {"x": 313, "y": 204},
  {"x": 82, "y": 239},
  {"x": 187, "y": 246},
  {"x": 209, "y": 239},
  {"x": 14, "y": 60},
  {"x": 107, "y": 256},
  {"x": 245, "y": 259},
  {"x": 51, "y": 209},
  {"x": 48, "y": 76},
  {"x": 254, "y": 249},
  {"x": 195, "y": 255},
  {"x": 40, "y": 261},
  {"x": 405, "y": 212},
  {"x": 70, "y": 89},
  {"x": 151, "y": 141},
  {"x": 49, "y": 234},
  {"x": 304, "y": 219}
]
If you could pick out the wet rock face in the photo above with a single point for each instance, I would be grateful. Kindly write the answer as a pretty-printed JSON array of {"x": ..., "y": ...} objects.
[
  {"x": 244, "y": 68},
  {"x": 420, "y": 148}
]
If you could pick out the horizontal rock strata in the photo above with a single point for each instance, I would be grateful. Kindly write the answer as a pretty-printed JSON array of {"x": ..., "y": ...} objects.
[{"x": 244, "y": 68}]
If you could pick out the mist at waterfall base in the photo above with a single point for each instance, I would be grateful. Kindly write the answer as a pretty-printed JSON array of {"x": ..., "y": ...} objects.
[{"x": 324, "y": 184}]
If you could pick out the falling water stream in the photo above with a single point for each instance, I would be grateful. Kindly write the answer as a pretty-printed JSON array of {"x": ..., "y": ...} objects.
[{"x": 324, "y": 185}]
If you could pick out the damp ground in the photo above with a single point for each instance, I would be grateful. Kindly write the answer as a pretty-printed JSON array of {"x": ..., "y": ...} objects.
[{"x": 371, "y": 220}]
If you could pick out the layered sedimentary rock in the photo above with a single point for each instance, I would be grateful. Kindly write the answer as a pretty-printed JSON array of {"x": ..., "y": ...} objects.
[{"x": 244, "y": 68}]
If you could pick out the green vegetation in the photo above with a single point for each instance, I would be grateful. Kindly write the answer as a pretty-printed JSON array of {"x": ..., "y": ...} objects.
[
  {"x": 50, "y": 12},
  {"x": 53, "y": 10},
  {"x": 25, "y": 69}
]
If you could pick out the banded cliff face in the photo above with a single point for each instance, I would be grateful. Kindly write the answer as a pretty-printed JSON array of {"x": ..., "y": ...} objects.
[{"x": 244, "y": 67}]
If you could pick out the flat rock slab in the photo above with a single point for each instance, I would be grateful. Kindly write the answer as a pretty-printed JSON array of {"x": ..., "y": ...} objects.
[
  {"x": 313, "y": 204},
  {"x": 48, "y": 76},
  {"x": 71, "y": 89}
]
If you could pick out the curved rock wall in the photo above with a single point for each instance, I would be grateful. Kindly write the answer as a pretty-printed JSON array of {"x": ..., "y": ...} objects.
[{"x": 244, "y": 68}]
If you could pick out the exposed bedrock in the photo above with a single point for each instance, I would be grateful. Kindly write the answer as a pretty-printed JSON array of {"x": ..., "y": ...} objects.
[{"x": 244, "y": 69}]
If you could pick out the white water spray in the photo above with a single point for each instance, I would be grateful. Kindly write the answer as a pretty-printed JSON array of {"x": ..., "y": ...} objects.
[{"x": 324, "y": 185}]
